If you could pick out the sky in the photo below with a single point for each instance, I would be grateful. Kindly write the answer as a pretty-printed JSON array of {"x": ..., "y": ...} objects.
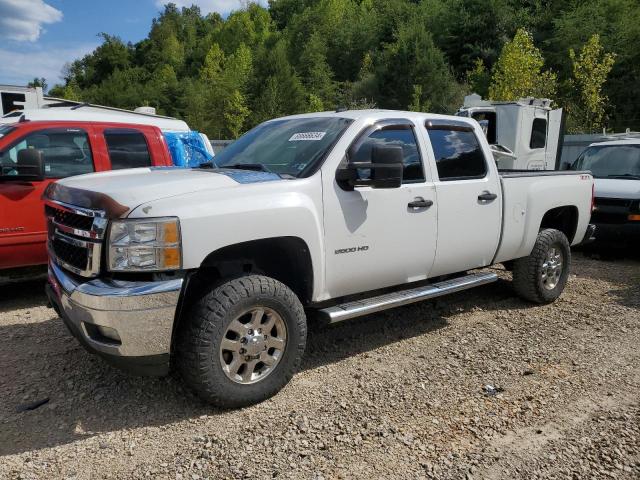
[{"x": 37, "y": 37}]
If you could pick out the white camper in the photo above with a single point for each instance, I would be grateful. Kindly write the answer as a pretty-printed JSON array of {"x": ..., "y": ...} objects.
[{"x": 525, "y": 134}]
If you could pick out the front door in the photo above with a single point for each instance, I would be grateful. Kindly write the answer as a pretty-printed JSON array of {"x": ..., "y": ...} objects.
[
  {"x": 381, "y": 237},
  {"x": 66, "y": 152},
  {"x": 469, "y": 198}
]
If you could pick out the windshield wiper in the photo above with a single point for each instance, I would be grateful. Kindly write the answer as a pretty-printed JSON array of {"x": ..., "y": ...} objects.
[
  {"x": 256, "y": 167},
  {"x": 625, "y": 175}
]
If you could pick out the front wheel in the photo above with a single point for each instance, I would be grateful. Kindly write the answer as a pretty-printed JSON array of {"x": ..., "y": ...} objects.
[
  {"x": 542, "y": 276},
  {"x": 242, "y": 342}
]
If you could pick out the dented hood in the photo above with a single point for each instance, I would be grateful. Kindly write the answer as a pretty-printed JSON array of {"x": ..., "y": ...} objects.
[{"x": 119, "y": 192}]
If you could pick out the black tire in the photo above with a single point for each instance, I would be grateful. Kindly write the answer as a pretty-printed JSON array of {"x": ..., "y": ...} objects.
[
  {"x": 530, "y": 273},
  {"x": 199, "y": 354}
]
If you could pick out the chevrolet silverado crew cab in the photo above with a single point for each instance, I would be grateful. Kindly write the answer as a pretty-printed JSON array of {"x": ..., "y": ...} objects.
[
  {"x": 49, "y": 144},
  {"x": 216, "y": 270}
]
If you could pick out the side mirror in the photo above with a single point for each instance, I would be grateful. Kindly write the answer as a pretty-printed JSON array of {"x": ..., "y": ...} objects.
[
  {"x": 386, "y": 168},
  {"x": 30, "y": 165},
  {"x": 565, "y": 166}
]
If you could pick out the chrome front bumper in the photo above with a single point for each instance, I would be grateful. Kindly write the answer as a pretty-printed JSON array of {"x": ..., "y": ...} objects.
[{"x": 130, "y": 323}]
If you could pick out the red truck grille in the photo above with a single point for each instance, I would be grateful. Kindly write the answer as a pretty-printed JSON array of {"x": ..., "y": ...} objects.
[{"x": 75, "y": 237}]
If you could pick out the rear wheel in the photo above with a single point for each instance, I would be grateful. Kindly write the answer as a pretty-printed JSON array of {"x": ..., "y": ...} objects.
[
  {"x": 242, "y": 342},
  {"x": 542, "y": 276}
]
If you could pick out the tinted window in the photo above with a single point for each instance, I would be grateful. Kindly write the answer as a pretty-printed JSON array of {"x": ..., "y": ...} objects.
[
  {"x": 288, "y": 147},
  {"x": 65, "y": 152},
  {"x": 127, "y": 149},
  {"x": 458, "y": 154},
  {"x": 538, "y": 133},
  {"x": 610, "y": 161},
  {"x": 405, "y": 138}
]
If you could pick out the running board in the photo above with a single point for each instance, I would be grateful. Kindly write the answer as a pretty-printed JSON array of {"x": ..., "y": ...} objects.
[{"x": 366, "y": 306}]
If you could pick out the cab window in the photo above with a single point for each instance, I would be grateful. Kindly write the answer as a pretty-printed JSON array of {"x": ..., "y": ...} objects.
[
  {"x": 458, "y": 153},
  {"x": 127, "y": 148},
  {"x": 66, "y": 152},
  {"x": 538, "y": 134},
  {"x": 405, "y": 138}
]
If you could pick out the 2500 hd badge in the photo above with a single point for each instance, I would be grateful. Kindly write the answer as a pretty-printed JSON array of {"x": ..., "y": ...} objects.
[{"x": 362, "y": 248}]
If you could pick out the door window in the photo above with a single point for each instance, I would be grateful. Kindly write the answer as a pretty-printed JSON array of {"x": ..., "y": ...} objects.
[
  {"x": 538, "y": 133},
  {"x": 66, "y": 152},
  {"x": 127, "y": 148},
  {"x": 404, "y": 137},
  {"x": 458, "y": 153}
]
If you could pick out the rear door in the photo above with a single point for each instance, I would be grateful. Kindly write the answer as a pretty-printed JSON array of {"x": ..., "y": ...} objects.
[
  {"x": 132, "y": 146},
  {"x": 469, "y": 197},
  {"x": 66, "y": 151}
]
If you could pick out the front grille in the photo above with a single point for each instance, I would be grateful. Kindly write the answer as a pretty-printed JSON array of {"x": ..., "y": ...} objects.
[
  {"x": 69, "y": 219},
  {"x": 75, "y": 237},
  {"x": 612, "y": 202},
  {"x": 611, "y": 210},
  {"x": 70, "y": 254}
]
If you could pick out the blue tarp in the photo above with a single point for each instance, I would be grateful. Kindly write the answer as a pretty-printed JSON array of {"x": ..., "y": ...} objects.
[{"x": 187, "y": 148}]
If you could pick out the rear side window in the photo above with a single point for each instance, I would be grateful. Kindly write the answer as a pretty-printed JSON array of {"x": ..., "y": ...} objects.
[
  {"x": 538, "y": 133},
  {"x": 404, "y": 137},
  {"x": 66, "y": 152},
  {"x": 457, "y": 153},
  {"x": 127, "y": 148}
]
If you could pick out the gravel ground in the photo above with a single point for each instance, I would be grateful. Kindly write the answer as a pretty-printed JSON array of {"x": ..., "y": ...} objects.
[{"x": 398, "y": 395}]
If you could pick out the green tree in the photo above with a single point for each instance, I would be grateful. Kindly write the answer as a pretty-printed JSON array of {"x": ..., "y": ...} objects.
[
  {"x": 414, "y": 60},
  {"x": 591, "y": 68},
  {"x": 316, "y": 73},
  {"x": 479, "y": 78},
  {"x": 278, "y": 89},
  {"x": 38, "y": 82},
  {"x": 235, "y": 114},
  {"x": 519, "y": 71},
  {"x": 617, "y": 22}
]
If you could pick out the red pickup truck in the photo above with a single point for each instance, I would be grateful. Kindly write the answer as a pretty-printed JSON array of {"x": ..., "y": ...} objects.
[{"x": 62, "y": 149}]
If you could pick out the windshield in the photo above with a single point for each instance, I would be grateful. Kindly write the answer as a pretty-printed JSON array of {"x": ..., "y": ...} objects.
[
  {"x": 286, "y": 147},
  {"x": 610, "y": 161},
  {"x": 6, "y": 130}
]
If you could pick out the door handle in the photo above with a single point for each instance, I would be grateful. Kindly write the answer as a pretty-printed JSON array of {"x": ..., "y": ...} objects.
[
  {"x": 487, "y": 196},
  {"x": 420, "y": 202}
]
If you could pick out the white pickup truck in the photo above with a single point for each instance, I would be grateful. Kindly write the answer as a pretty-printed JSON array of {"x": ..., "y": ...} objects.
[{"x": 324, "y": 216}]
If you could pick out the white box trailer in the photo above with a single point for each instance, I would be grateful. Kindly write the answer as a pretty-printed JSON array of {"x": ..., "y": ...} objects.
[{"x": 525, "y": 134}]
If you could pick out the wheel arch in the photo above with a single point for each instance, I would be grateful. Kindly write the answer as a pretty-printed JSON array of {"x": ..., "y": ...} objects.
[
  {"x": 287, "y": 259},
  {"x": 564, "y": 219}
]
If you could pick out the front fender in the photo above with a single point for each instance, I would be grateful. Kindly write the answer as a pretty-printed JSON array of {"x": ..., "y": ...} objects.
[{"x": 211, "y": 220}]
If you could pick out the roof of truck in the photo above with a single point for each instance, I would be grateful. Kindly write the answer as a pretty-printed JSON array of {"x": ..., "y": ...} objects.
[
  {"x": 94, "y": 114},
  {"x": 626, "y": 141},
  {"x": 379, "y": 114}
]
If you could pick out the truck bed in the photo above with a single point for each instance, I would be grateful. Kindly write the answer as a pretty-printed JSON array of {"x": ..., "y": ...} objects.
[{"x": 528, "y": 195}]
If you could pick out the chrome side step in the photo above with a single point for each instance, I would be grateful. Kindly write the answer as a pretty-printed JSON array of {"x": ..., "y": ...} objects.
[{"x": 366, "y": 306}]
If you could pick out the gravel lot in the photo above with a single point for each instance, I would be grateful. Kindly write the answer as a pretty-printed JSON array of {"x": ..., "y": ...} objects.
[{"x": 398, "y": 394}]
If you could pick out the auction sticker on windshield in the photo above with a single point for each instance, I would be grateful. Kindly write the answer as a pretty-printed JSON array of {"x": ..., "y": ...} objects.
[{"x": 307, "y": 136}]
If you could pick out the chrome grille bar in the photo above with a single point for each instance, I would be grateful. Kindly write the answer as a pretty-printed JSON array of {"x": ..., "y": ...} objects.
[{"x": 78, "y": 250}]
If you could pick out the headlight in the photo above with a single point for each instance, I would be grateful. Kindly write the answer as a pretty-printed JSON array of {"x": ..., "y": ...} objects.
[{"x": 144, "y": 245}]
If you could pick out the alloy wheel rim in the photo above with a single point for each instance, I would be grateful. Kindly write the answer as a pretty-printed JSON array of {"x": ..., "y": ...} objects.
[
  {"x": 552, "y": 268},
  {"x": 253, "y": 345}
]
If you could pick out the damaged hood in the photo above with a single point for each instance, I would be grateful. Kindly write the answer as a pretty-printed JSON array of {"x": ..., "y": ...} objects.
[{"x": 119, "y": 192}]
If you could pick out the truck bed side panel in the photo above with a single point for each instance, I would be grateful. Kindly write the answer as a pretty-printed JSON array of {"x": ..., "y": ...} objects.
[{"x": 526, "y": 199}]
